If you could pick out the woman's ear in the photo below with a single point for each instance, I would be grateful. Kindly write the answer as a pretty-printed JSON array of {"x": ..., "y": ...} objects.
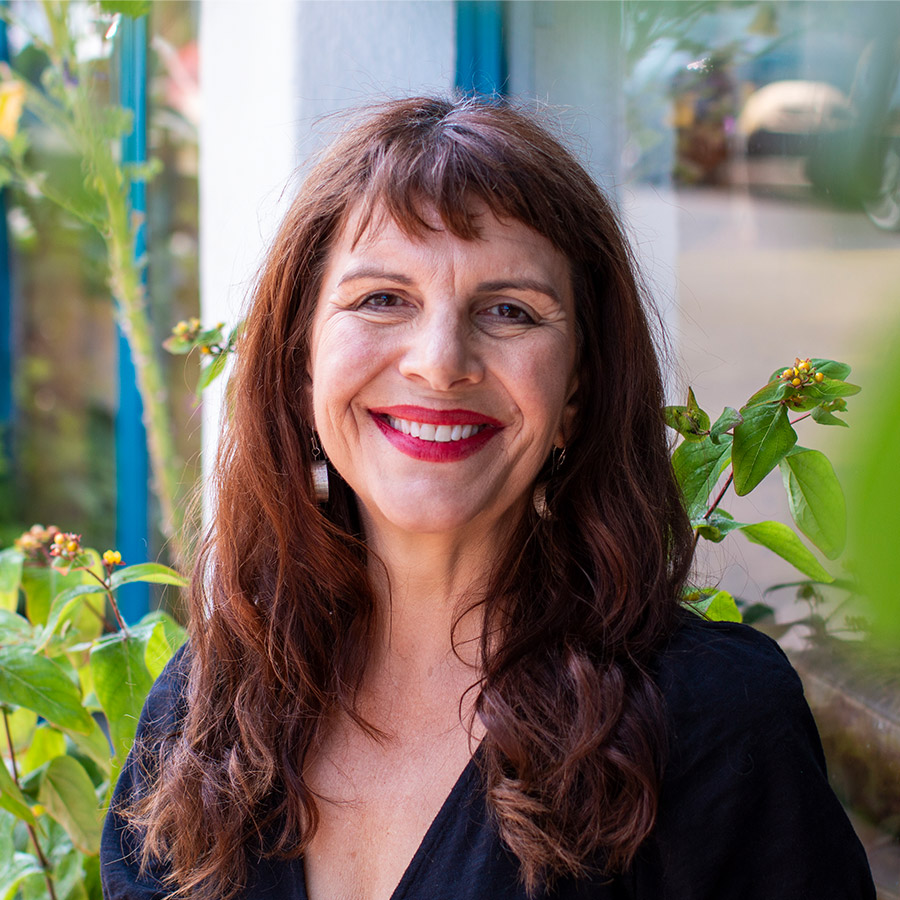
[{"x": 567, "y": 421}]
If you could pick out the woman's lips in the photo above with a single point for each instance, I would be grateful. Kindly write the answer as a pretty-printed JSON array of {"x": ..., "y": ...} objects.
[{"x": 435, "y": 435}]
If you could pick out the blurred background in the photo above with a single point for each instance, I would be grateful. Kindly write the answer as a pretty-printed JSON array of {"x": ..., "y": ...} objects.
[{"x": 753, "y": 149}]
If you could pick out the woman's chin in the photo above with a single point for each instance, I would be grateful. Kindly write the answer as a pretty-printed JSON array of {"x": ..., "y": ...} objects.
[{"x": 432, "y": 516}]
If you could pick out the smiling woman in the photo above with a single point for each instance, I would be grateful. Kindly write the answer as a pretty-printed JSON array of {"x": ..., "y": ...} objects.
[
  {"x": 463, "y": 673},
  {"x": 415, "y": 336}
]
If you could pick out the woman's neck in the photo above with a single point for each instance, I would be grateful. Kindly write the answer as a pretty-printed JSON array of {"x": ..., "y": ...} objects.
[{"x": 428, "y": 589}]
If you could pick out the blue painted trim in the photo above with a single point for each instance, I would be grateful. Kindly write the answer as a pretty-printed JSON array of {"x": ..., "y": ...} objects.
[
  {"x": 132, "y": 464},
  {"x": 7, "y": 396},
  {"x": 480, "y": 50}
]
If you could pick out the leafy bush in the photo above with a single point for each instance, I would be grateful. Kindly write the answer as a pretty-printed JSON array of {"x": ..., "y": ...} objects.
[
  {"x": 748, "y": 444},
  {"x": 72, "y": 684}
]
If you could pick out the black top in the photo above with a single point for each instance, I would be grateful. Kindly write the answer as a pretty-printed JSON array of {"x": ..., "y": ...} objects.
[{"x": 745, "y": 811}]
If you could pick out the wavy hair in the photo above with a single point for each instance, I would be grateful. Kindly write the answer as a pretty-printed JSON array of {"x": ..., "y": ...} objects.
[{"x": 282, "y": 608}]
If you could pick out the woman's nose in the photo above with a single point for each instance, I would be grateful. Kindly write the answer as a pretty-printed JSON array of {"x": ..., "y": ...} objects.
[{"x": 441, "y": 352}]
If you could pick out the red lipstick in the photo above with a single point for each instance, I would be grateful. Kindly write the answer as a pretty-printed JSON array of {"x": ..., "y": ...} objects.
[{"x": 436, "y": 451}]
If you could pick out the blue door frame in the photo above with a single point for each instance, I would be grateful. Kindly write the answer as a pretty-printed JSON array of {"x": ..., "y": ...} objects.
[
  {"x": 7, "y": 403},
  {"x": 132, "y": 464},
  {"x": 480, "y": 52}
]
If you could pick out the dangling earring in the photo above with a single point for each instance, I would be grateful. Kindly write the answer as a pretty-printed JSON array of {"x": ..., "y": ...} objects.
[
  {"x": 319, "y": 473},
  {"x": 539, "y": 500},
  {"x": 539, "y": 497},
  {"x": 558, "y": 457}
]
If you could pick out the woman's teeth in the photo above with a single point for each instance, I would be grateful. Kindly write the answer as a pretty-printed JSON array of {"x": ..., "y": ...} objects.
[{"x": 440, "y": 433}]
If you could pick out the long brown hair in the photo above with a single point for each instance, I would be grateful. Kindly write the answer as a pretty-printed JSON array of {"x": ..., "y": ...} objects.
[{"x": 282, "y": 609}]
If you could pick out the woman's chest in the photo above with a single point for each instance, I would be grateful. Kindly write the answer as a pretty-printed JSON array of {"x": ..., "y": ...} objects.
[
  {"x": 460, "y": 857},
  {"x": 378, "y": 802}
]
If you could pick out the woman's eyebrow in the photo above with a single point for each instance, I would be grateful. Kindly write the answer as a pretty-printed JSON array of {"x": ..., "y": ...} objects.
[
  {"x": 521, "y": 284},
  {"x": 373, "y": 272}
]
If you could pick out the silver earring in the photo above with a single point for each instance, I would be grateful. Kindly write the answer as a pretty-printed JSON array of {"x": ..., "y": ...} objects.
[
  {"x": 539, "y": 500},
  {"x": 539, "y": 497},
  {"x": 558, "y": 457},
  {"x": 319, "y": 473}
]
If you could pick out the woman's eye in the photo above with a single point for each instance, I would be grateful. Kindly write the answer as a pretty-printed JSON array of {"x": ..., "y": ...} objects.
[
  {"x": 380, "y": 300},
  {"x": 512, "y": 313}
]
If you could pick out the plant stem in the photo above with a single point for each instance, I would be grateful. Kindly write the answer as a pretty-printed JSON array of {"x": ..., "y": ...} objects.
[
  {"x": 78, "y": 118},
  {"x": 714, "y": 504},
  {"x": 800, "y": 418},
  {"x": 720, "y": 495},
  {"x": 32, "y": 833},
  {"x": 110, "y": 595}
]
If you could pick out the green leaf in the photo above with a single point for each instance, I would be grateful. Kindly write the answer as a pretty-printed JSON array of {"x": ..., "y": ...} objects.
[
  {"x": 122, "y": 682},
  {"x": 211, "y": 372},
  {"x": 145, "y": 171},
  {"x": 816, "y": 499},
  {"x": 756, "y": 612},
  {"x": 760, "y": 442},
  {"x": 14, "y": 628},
  {"x": 64, "y": 606},
  {"x": 10, "y": 578},
  {"x": 210, "y": 336},
  {"x": 689, "y": 421},
  {"x": 46, "y": 744},
  {"x": 805, "y": 399},
  {"x": 729, "y": 418},
  {"x": 697, "y": 468},
  {"x": 825, "y": 417},
  {"x": 153, "y": 573},
  {"x": 67, "y": 794},
  {"x": 167, "y": 636},
  {"x": 134, "y": 9},
  {"x": 178, "y": 345},
  {"x": 720, "y": 607},
  {"x": 830, "y": 368},
  {"x": 41, "y": 585},
  {"x": 23, "y": 866},
  {"x": 697, "y": 414},
  {"x": 830, "y": 389},
  {"x": 7, "y": 846},
  {"x": 780, "y": 539},
  {"x": 11, "y": 798},
  {"x": 39, "y": 684},
  {"x": 94, "y": 745},
  {"x": 717, "y": 526},
  {"x": 773, "y": 392},
  {"x": 68, "y": 875},
  {"x": 22, "y": 723}
]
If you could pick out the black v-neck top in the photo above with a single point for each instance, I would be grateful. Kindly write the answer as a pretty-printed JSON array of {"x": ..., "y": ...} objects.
[{"x": 745, "y": 810}]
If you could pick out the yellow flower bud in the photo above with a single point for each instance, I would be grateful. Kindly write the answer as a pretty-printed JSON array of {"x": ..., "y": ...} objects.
[
  {"x": 819, "y": 377},
  {"x": 72, "y": 546},
  {"x": 786, "y": 373},
  {"x": 59, "y": 538},
  {"x": 12, "y": 102},
  {"x": 796, "y": 382}
]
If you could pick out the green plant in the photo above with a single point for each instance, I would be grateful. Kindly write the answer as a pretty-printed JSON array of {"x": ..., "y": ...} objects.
[
  {"x": 71, "y": 103},
  {"x": 748, "y": 444},
  {"x": 72, "y": 684},
  {"x": 212, "y": 343}
]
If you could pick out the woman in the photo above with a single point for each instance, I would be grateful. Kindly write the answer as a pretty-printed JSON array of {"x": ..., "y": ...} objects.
[{"x": 436, "y": 645}]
